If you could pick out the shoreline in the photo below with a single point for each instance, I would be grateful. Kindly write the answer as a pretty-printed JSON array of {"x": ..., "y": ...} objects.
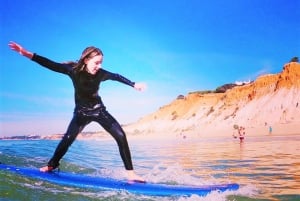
[{"x": 279, "y": 129}]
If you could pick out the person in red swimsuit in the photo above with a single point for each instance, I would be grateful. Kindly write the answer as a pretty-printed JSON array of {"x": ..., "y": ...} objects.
[
  {"x": 86, "y": 75},
  {"x": 242, "y": 133}
]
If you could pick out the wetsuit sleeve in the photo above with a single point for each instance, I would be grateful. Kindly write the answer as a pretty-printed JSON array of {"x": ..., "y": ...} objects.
[
  {"x": 54, "y": 66},
  {"x": 117, "y": 77}
]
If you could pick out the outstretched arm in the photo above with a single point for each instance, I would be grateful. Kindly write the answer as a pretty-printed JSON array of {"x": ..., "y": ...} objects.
[
  {"x": 114, "y": 76},
  {"x": 18, "y": 48},
  {"x": 57, "y": 67}
]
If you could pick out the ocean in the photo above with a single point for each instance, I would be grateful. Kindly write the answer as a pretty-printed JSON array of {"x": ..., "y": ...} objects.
[{"x": 266, "y": 167}]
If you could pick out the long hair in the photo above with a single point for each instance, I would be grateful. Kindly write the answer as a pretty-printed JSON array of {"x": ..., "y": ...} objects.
[{"x": 88, "y": 52}]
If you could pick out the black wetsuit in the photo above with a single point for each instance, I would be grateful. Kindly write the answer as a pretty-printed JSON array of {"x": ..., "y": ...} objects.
[{"x": 88, "y": 107}]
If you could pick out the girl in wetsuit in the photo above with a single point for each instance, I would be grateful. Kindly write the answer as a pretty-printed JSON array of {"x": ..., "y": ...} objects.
[{"x": 86, "y": 75}]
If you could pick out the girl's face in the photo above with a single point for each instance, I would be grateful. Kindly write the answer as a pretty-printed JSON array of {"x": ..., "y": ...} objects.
[{"x": 93, "y": 64}]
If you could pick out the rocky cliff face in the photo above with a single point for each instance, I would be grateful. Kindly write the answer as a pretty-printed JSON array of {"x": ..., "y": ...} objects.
[{"x": 270, "y": 99}]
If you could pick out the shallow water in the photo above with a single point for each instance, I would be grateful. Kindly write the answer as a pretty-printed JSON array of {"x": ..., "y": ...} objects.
[{"x": 266, "y": 167}]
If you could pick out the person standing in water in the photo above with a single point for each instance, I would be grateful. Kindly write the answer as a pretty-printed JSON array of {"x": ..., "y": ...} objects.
[
  {"x": 242, "y": 133},
  {"x": 86, "y": 75}
]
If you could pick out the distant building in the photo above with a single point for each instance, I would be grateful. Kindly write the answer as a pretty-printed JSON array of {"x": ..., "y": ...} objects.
[{"x": 180, "y": 97}]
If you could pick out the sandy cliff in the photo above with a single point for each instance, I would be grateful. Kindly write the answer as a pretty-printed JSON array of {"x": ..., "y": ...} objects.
[{"x": 271, "y": 100}]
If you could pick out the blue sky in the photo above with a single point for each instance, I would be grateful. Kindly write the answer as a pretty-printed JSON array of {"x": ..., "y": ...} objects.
[{"x": 175, "y": 46}]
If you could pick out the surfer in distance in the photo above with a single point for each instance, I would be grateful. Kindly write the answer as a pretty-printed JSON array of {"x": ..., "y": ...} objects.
[{"x": 86, "y": 75}]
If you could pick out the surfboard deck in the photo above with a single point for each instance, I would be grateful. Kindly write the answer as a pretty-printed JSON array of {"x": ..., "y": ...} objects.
[{"x": 103, "y": 183}]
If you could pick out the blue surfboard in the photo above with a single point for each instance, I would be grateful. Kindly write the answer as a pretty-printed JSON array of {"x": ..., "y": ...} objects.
[{"x": 103, "y": 183}]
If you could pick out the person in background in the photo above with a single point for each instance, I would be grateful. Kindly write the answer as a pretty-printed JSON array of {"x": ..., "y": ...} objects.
[
  {"x": 86, "y": 75},
  {"x": 270, "y": 130},
  {"x": 242, "y": 133}
]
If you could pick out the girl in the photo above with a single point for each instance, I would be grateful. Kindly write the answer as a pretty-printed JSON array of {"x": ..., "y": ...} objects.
[{"x": 86, "y": 75}]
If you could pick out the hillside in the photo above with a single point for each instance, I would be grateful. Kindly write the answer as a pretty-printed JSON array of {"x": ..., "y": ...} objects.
[{"x": 270, "y": 100}]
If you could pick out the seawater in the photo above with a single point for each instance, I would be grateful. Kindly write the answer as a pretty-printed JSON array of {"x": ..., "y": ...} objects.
[{"x": 266, "y": 167}]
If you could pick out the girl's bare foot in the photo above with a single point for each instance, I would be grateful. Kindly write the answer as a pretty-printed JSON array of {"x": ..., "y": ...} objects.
[
  {"x": 46, "y": 169},
  {"x": 131, "y": 176}
]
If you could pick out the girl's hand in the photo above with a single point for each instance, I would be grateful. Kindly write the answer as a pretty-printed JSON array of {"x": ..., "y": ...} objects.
[
  {"x": 18, "y": 48},
  {"x": 140, "y": 86}
]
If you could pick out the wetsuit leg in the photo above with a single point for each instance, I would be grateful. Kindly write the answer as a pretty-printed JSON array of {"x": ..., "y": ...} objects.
[
  {"x": 109, "y": 123},
  {"x": 119, "y": 135},
  {"x": 75, "y": 127}
]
